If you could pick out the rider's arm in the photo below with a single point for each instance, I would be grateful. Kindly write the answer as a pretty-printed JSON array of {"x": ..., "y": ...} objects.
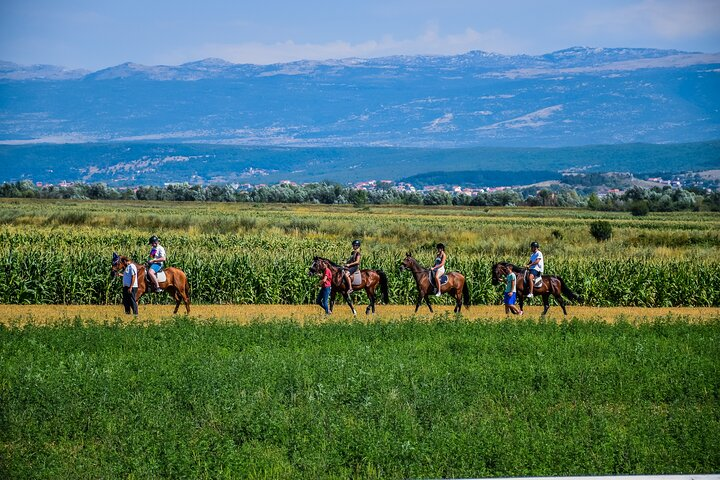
[
  {"x": 356, "y": 262},
  {"x": 533, "y": 262},
  {"x": 442, "y": 261}
]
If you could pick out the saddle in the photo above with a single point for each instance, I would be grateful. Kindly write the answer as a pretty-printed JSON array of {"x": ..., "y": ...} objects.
[
  {"x": 443, "y": 279},
  {"x": 161, "y": 277},
  {"x": 537, "y": 282}
]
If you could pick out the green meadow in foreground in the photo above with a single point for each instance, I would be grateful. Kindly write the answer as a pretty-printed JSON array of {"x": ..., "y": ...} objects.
[{"x": 402, "y": 399}]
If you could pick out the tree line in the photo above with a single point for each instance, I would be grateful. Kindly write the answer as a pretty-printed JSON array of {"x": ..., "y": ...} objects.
[{"x": 636, "y": 200}]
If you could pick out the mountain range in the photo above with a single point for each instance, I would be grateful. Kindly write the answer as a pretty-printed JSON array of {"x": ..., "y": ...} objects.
[{"x": 570, "y": 98}]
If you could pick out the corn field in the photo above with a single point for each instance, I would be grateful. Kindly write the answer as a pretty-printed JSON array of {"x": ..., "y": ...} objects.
[{"x": 55, "y": 252}]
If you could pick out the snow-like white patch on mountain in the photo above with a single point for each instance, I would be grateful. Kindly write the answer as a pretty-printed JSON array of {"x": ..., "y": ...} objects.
[{"x": 534, "y": 119}]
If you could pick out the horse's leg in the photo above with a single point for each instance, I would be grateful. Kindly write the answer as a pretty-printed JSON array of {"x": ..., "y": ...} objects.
[
  {"x": 349, "y": 302},
  {"x": 185, "y": 298},
  {"x": 419, "y": 301},
  {"x": 333, "y": 294},
  {"x": 427, "y": 301},
  {"x": 371, "y": 296},
  {"x": 458, "y": 300},
  {"x": 521, "y": 301},
  {"x": 546, "y": 302},
  {"x": 559, "y": 299}
]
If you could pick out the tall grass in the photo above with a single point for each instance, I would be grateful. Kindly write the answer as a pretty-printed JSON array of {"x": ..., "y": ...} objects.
[{"x": 260, "y": 254}]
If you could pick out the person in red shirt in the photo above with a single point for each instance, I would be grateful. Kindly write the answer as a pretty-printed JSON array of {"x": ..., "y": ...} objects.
[{"x": 325, "y": 285}]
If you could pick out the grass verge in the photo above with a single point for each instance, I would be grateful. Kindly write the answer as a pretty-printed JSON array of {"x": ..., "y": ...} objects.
[{"x": 410, "y": 398}]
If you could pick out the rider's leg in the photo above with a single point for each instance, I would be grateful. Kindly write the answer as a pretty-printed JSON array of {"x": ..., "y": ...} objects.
[
  {"x": 532, "y": 284},
  {"x": 437, "y": 282},
  {"x": 154, "y": 280},
  {"x": 349, "y": 282}
]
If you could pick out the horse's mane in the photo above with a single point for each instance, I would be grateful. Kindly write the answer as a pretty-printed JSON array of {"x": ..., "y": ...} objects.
[
  {"x": 422, "y": 267},
  {"x": 126, "y": 260},
  {"x": 514, "y": 267},
  {"x": 329, "y": 261}
]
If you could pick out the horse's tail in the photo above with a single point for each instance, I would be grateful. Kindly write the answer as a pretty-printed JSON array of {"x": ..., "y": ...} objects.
[
  {"x": 567, "y": 292},
  {"x": 466, "y": 295},
  {"x": 384, "y": 287}
]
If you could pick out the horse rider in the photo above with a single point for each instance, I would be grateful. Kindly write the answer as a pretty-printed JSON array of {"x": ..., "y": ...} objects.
[
  {"x": 536, "y": 265},
  {"x": 439, "y": 268},
  {"x": 352, "y": 264},
  {"x": 155, "y": 262}
]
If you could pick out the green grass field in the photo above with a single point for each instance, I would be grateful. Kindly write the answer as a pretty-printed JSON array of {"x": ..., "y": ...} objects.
[
  {"x": 447, "y": 398},
  {"x": 404, "y": 397}
]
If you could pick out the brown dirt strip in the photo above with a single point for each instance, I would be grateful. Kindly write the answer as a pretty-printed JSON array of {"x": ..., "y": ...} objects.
[{"x": 242, "y": 314}]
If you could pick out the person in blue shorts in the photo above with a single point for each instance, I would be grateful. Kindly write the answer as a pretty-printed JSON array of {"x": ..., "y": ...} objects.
[
  {"x": 155, "y": 262},
  {"x": 510, "y": 293}
]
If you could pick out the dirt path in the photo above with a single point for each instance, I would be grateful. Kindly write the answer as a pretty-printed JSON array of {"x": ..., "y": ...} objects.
[{"x": 50, "y": 314}]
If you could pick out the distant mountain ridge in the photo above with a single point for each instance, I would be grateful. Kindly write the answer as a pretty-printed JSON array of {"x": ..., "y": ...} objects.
[
  {"x": 425, "y": 103},
  {"x": 215, "y": 68}
]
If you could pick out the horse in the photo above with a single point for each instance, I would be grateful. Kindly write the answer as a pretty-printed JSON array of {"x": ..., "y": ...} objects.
[
  {"x": 551, "y": 285},
  {"x": 176, "y": 282},
  {"x": 456, "y": 285},
  {"x": 370, "y": 280}
]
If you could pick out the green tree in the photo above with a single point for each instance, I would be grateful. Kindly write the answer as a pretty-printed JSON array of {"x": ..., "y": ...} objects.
[{"x": 601, "y": 230}]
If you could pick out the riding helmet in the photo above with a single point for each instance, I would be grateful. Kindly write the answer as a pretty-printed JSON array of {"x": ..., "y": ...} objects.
[
  {"x": 153, "y": 239},
  {"x": 356, "y": 243},
  {"x": 534, "y": 244}
]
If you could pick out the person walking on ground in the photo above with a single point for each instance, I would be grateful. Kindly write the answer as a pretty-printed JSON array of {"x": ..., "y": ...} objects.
[
  {"x": 536, "y": 266},
  {"x": 510, "y": 293},
  {"x": 130, "y": 287},
  {"x": 325, "y": 286},
  {"x": 439, "y": 267}
]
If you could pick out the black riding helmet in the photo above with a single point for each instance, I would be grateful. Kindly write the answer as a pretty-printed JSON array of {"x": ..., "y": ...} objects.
[
  {"x": 356, "y": 243},
  {"x": 534, "y": 244},
  {"x": 153, "y": 239}
]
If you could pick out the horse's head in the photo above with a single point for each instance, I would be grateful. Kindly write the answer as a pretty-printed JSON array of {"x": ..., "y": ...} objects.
[
  {"x": 317, "y": 266},
  {"x": 498, "y": 273},
  {"x": 408, "y": 262},
  {"x": 119, "y": 263}
]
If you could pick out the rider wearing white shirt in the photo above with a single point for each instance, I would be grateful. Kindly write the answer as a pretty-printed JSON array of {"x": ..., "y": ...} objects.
[{"x": 536, "y": 265}]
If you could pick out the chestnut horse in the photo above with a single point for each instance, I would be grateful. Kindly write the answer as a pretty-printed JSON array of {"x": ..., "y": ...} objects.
[
  {"x": 370, "y": 280},
  {"x": 176, "y": 282},
  {"x": 551, "y": 285},
  {"x": 455, "y": 286}
]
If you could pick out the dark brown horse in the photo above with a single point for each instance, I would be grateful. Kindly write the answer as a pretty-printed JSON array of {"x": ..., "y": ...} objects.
[
  {"x": 455, "y": 286},
  {"x": 370, "y": 280},
  {"x": 551, "y": 285},
  {"x": 176, "y": 282}
]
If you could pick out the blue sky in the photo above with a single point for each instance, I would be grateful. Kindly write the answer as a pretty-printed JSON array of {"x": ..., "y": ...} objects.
[{"x": 100, "y": 33}]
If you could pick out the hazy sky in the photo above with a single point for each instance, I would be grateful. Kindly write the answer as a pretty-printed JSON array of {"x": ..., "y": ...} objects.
[{"x": 95, "y": 34}]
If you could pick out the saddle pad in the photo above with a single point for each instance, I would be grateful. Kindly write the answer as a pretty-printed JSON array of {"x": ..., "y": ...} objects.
[
  {"x": 161, "y": 276},
  {"x": 538, "y": 282},
  {"x": 356, "y": 278},
  {"x": 443, "y": 279}
]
